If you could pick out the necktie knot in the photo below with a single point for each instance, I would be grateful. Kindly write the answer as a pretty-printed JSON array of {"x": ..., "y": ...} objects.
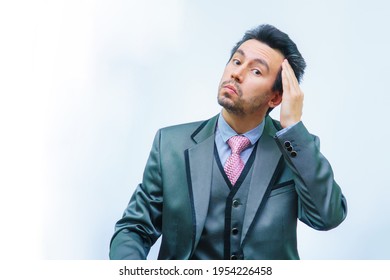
[{"x": 238, "y": 143}]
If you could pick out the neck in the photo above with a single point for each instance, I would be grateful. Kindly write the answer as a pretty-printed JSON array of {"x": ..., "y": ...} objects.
[{"x": 242, "y": 123}]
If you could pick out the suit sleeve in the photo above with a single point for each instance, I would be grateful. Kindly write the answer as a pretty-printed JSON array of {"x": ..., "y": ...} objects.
[
  {"x": 321, "y": 204},
  {"x": 140, "y": 225}
]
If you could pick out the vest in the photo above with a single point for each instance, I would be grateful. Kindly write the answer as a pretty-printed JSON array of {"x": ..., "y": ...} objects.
[{"x": 221, "y": 236}]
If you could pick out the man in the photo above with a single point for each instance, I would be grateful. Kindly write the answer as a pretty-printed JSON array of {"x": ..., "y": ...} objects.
[{"x": 233, "y": 187}]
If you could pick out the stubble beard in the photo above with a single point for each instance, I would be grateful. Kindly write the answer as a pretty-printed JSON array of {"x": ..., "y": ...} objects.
[
  {"x": 224, "y": 99},
  {"x": 237, "y": 107},
  {"x": 231, "y": 106}
]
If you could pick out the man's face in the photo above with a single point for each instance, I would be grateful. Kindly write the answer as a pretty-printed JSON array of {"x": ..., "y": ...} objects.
[{"x": 246, "y": 84}]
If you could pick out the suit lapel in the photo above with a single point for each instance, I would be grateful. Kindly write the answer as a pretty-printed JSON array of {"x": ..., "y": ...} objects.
[
  {"x": 265, "y": 166},
  {"x": 199, "y": 173}
]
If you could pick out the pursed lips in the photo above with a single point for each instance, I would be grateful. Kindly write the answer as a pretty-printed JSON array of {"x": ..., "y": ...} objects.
[{"x": 231, "y": 88}]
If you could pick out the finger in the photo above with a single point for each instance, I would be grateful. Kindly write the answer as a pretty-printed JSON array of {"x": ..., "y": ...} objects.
[
  {"x": 292, "y": 79},
  {"x": 285, "y": 78},
  {"x": 291, "y": 74}
]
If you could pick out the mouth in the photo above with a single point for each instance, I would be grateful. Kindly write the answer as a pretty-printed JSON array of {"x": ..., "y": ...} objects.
[{"x": 231, "y": 88}]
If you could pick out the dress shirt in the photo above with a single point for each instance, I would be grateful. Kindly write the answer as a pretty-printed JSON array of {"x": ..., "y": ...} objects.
[{"x": 224, "y": 132}]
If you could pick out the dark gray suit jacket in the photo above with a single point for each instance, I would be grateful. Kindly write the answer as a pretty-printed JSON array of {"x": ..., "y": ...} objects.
[{"x": 291, "y": 180}]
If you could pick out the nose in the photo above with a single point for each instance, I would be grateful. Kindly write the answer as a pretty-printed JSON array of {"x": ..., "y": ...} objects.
[{"x": 238, "y": 74}]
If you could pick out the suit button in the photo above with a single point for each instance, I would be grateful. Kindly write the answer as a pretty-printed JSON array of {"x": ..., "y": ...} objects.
[
  {"x": 289, "y": 149},
  {"x": 233, "y": 257},
  {"x": 236, "y": 203},
  {"x": 293, "y": 153},
  {"x": 287, "y": 144},
  {"x": 234, "y": 231}
]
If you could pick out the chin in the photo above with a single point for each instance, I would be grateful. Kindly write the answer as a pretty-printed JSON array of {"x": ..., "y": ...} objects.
[{"x": 225, "y": 102}]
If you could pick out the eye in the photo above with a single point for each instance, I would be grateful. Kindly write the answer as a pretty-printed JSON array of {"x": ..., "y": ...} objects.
[
  {"x": 256, "y": 72},
  {"x": 235, "y": 61}
]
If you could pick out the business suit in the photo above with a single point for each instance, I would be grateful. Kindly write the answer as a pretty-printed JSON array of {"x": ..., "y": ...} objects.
[{"x": 291, "y": 179}]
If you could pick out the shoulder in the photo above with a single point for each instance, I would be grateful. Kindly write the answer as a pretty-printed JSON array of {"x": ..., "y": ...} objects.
[
  {"x": 189, "y": 129},
  {"x": 293, "y": 133},
  {"x": 182, "y": 129},
  {"x": 275, "y": 123}
]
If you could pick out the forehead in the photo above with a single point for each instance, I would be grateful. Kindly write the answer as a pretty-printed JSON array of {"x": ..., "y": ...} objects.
[{"x": 254, "y": 49}]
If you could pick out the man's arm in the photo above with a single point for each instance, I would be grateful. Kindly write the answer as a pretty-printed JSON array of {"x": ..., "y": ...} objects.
[
  {"x": 321, "y": 203},
  {"x": 140, "y": 225}
]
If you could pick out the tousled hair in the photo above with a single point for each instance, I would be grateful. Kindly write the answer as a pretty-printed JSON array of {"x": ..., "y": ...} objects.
[{"x": 280, "y": 41}]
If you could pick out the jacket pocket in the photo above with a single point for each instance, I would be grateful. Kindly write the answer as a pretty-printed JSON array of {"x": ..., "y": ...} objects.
[{"x": 283, "y": 187}]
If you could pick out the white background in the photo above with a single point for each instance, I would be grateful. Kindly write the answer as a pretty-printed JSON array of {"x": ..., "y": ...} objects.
[{"x": 84, "y": 86}]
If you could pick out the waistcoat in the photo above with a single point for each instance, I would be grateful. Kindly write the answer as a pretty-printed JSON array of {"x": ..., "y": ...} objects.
[{"x": 221, "y": 235}]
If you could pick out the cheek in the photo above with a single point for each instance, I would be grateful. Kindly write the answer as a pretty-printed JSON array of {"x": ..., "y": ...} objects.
[
  {"x": 256, "y": 93},
  {"x": 260, "y": 86},
  {"x": 253, "y": 88},
  {"x": 226, "y": 74},
  {"x": 223, "y": 79}
]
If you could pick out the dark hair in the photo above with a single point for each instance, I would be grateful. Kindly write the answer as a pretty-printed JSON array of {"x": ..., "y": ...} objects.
[{"x": 278, "y": 40}]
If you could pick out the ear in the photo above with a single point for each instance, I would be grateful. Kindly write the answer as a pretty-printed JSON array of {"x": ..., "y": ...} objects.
[{"x": 275, "y": 100}]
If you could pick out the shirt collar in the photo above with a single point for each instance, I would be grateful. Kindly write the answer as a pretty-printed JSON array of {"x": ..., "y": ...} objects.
[{"x": 228, "y": 132}]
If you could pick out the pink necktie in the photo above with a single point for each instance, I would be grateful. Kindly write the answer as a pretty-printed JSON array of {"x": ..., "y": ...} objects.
[{"x": 234, "y": 164}]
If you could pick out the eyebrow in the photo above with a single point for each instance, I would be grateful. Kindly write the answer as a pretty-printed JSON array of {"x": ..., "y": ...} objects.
[{"x": 258, "y": 60}]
